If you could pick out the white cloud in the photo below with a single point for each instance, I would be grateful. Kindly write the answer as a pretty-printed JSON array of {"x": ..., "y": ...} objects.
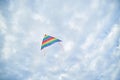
[
  {"x": 110, "y": 72},
  {"x": 115, "y": 73},
  {"x": 2, "y": 24},
  {"x": 116, "y": 52},
  {"x": 39, "y": 17},
  {"x": 98, "y": 29},
  {"x": 35, "y": 76},
  {"x": 108, "y": 41},
  {"x": 68, "y": 46},
  {"x": 95, "y": 4},
  {"x": 35, "y": 63},
  {"x": 78, "y": 21},
  {"x": 88, "y": 42},
  {"x": 74, "y": 67},
  {"x": 9, "y": 48},
  {"x": 105, "y": 44},
  {"x": 62, "y": 76}
]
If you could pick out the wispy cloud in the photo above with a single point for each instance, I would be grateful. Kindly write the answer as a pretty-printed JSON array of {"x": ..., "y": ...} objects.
[{"x": 89, "y": 31}]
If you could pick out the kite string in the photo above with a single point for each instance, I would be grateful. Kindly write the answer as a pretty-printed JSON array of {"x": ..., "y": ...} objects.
[
  {"x": 61, "y": 46},
  {"x": 62, "y": 58},
  {"x": 43, "y": 51}
]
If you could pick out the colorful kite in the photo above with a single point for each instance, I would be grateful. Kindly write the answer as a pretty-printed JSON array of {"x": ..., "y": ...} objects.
[{"x": 48, "y": 40}]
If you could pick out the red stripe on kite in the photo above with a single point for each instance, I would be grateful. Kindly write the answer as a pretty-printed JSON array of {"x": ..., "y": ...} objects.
[{"x": 48, "y": 40}]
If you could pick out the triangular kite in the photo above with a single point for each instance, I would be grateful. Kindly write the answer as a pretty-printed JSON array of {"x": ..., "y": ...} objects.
[{"x": 48, "y": 40}]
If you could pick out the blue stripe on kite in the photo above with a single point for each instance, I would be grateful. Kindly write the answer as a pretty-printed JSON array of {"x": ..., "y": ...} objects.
[
  {"x": 50, "y": 44},
  {"x": 47, "y": 37}
]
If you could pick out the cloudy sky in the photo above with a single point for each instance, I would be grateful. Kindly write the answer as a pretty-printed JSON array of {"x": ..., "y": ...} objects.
[{"x": 90, "y": 34}]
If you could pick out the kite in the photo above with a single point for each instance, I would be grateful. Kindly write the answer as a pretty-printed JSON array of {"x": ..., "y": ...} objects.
[{"x": 48, "y": 40}]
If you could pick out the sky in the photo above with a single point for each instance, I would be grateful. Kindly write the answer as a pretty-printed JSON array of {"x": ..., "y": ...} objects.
[{"x": 90, "y": 34}]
